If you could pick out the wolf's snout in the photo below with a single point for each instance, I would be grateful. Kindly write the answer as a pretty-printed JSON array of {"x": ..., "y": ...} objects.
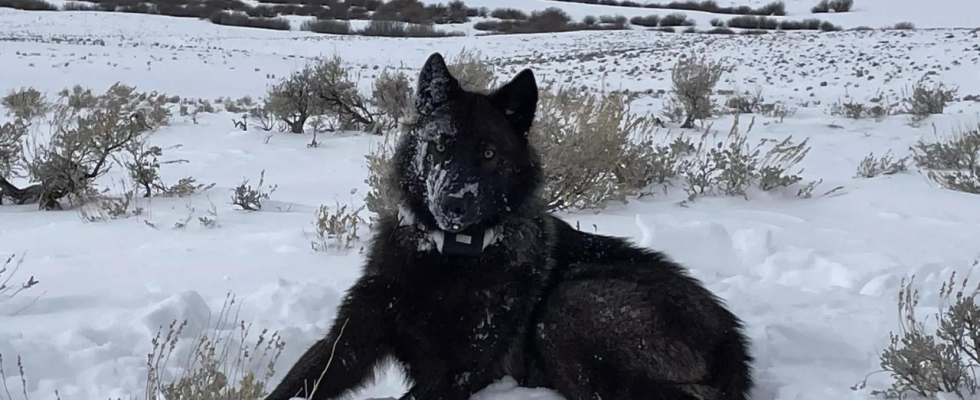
[{"x": 458, "y": 210}]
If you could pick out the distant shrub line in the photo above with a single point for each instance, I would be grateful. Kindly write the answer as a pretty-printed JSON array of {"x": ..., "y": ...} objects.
[
  {"x": 551, "y": 20},
  {"x": 775, "y": 8}
]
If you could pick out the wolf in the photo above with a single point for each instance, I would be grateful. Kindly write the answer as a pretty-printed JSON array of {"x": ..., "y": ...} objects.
[{"x": 473, "y": 280}]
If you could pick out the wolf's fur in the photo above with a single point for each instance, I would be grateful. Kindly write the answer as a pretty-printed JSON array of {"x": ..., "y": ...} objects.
[{"x": 588, "y": 315}]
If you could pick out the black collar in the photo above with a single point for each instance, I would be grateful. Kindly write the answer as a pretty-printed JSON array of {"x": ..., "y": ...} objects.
[{"x": 464, "y": 244}]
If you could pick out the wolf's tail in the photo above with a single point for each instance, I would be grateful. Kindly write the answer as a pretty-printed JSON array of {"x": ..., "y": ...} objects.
[{"x": 731, "y": 369}]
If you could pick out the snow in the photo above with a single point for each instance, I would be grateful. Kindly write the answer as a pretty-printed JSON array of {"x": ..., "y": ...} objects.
[{"x": 815, "y": 279}]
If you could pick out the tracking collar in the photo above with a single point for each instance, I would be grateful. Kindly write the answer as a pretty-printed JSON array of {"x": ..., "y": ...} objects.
[{"x": 464, "y": 244}]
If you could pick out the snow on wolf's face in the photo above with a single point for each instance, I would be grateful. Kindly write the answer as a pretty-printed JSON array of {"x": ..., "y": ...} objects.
[{"x": 467, "y": 164}]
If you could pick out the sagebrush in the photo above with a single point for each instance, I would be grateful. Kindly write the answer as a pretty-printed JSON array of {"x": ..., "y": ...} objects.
[
  {"x": 693, "y": 81},
  {"x": 952, "y": 161},
  {"x": 220, "y": 364},
  {"x": 941, "y": 357}
]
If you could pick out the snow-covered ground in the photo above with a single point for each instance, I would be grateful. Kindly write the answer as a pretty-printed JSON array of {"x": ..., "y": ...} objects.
[{"x": 815, "y": 279}]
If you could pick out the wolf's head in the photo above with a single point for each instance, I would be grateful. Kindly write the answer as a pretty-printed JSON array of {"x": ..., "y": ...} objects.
[{"x": 468, "y": 164}]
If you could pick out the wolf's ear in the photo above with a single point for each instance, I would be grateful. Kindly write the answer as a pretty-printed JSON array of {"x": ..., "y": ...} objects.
[
  {"x": 518, "y": 100},
  {"x": 436, "y": 85}
]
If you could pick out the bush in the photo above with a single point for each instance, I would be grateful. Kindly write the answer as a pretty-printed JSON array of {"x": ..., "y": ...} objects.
[
  {"x": 391, "y": 94},
  {"x": 648, "y": 21},
  {"x": 85, "y": 146},
  {"x": 926, "y": 100},
  {"x": 509, "y": 13},
  {"x": 335, "y": 27},
  {"x": 878, "y": 109},
  {"x": 249, "y": 198},
  {"x": 807, "y": 24},
  {"x": 28, "y": 5},
  {"x": 222, "y": 364},
  {"x": 293, "y": 100},
  {"x": 952, "y": 162},
  {"x": 12, "y": 135},
  {"x": 382, "y": 28},
  {"x": 694, "y": 79},
  {"x": 871, "y": 166},
  {"x": 717, "y": 22},
  {"x": 676, "y": 19},
  {"x": 745, "y": 103},
  {"x": 383, "y": 198},
  {"x": 243, "y": 20},
  {"x": 585, "y": 147},
  {"x": 338, "y": 98},
  {"x": 8, "y": 269},
  {"x": 337, "y": 230},
  {"x": 76, "y": 6},
  {"x": 615, "y": 20},
  {"x": 903, "y": 26},
  {"x": 751, "y": 22},
  {"x": 720, "y": 31},
  {"x": 25, "y": 103},
  {"x": 837, "y": 6},
  {"x": 472, "y": 71},
  {"x": 711, "y": 6},
  {"x": 730, "y": 167},
  {"x": 927, "y": 364}
]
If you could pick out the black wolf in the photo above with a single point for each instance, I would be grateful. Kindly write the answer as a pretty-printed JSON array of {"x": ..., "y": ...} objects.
[{"x": 473, "y": 280}]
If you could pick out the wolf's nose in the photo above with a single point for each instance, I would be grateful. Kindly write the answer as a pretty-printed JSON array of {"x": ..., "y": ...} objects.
[{"x": 454, "y": 206}]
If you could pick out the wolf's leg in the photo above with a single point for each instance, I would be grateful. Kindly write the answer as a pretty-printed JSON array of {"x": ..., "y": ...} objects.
[
  {"x": 612, "y": 339},
  {"x": 347, "y": 357}
]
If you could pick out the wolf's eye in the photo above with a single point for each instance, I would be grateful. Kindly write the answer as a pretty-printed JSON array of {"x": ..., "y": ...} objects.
[
  {"x": 440, "y": 147},
  {"x": 488, "y": 154}
]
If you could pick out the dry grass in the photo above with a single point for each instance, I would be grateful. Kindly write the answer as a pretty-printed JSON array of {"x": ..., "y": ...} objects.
[
  {"x": 223, "y": 364},
  {"x": 338, "y": 229},
  {"x": 941, "y": 357},
  {"x": 953, "y": 161}
]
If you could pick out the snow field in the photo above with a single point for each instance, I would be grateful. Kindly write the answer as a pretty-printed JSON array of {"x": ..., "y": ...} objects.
[{"x": 814, "y": 279}]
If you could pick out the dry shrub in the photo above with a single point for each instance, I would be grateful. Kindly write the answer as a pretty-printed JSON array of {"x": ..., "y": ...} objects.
[
  {"x": 587, "y": 147},
  {"x": 746, "y": 102},
  {"x": 391, "y": 94},
  {"x": 336, "y": 230},
  {"x": 144, "y": 164},
  {"x": 385, "y": 28},
  {"x": 941, "y": 358},
  {"x": 28, "y": 5},
  {"x": 872, "y": 166},
  {"x": 383, "y": 197},
  {"x": 953, "y": 162},
  {"x": 25, "y": 103},
  {"x": 337, "y": 97},
  {"x": 249, "y": 198},
  {"x": 335, "y": 27},
  {"x": 878, "y": 108},
  {"x": 293, "y": 100},
  {"x": 649, "y": 21},
  {"x": 223, "y": 364},
  {"x": 902, "y": 26},
  {"x": 731, "y": 166},
  {"x": 78, "y": 98},
  {"x": 472, "y": 71},
  {"x": 753, "y": 22},
  {"x": 926, "y": 100},
  {"x": 676, "y": 19},
  {"x": 243, "y": 20},
  {"x": 12, "y": 135},
  {"x": 85, "y": 143},
  {"x": 837, "y": 6},
  {"x": 694, "y": 79},
  {"x": 8, "y": 287},
  {"x": 508, "y": 13}
]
